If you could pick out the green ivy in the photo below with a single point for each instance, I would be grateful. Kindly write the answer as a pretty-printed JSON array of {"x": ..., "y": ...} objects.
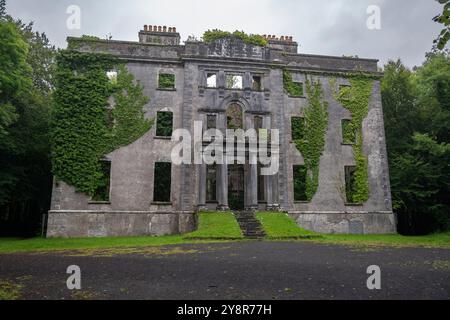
[
  {"x": 356, "y": 98},
  {"x": 164, "y": 124},
  {"x": 84, "y": 126},
  {"x": 348, "y": 132},
  {"x": 166, "y": 81},
  {"x": 313, "y": 143},
  {"x": 213, "y": 35},
  {"x": 294, "y": 89}
]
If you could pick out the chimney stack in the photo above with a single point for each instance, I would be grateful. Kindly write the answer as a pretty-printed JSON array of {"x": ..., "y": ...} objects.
[{"x": 161, "y": 35}]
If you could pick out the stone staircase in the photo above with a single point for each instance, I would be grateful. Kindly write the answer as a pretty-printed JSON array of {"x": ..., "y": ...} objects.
[{"x": 250, "y": 226}]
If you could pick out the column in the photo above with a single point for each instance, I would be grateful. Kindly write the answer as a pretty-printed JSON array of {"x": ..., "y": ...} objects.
[
  {"x": 222, "y": 187},
  {"x": 201, "y": 187},
  {"x": 252, "y": 188}
]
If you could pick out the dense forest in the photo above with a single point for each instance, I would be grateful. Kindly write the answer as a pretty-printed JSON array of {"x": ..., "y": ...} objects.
[{"x": 417, "y": 118}]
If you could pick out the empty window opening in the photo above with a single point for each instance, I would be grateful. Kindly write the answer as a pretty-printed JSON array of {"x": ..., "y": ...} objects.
[
  {"x": 162, "y": 182},
  {"x": 300, "y": 176},
  {"x": 234, "y": 82},
  {"x": 211, "y": 80},
  {"x": 256, "y": 83},
  {"x": 166, "y": 81},
  {"x": 164, "y": 125},
  {"x": 211, "y": 183},
  {"x": 298, "y": 128},
  {"x": 297, "y": 89},
  {"x": 101, "y": 193},
  {"x": 350, "y": 184},
  {"x": 211, "y": 121},
  {"x": 348, "y": 132},
  {"x": 344, "y": 91},
  {"x": 235, "y": 117}
]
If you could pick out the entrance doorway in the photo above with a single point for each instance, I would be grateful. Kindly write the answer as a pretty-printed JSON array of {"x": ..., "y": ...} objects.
[{"x": 236, "y": 191}]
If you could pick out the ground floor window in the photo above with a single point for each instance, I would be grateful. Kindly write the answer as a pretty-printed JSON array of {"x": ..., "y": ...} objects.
[
  {"x": 300, "y": 175},
  {"x": 350, "y": 189},
  {"x": 164, "y": 124},
  {"x": 162, "y": 182},
  {"x": 103, "y": 187},
  {"x": 211, "y": 183}
]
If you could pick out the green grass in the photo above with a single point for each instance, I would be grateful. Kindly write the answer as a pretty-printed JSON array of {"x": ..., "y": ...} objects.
[
  {"x": 439, "y": 240},
  {"x": 213, "y": 225},
  {"x": 281, "y": 226}
]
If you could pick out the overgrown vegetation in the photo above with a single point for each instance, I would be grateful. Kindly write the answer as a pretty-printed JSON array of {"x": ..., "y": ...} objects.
[
  {"x": 417, "y": 118},
  {"x": 216, "y": 225},
  {"x": 312, "y": 144},
  {"x": 215, "y": 34},
  {"x": 166, "y": 81},
  {"x": 26, "y": 82},
  {"x": 84, "y": 126},
  {"x": 294, "y": 89},
  {"x": 356, "y": 98}
]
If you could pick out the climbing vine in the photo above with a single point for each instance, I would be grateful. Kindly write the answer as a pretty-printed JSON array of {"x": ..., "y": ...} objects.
[
  {"x": 213, "y": 35},
  {"x": 312, "y": 143},
  {"x": 294, "y": 89},
  {"x": 356, "y": 98},
  {"x": 85, "y": 127}
]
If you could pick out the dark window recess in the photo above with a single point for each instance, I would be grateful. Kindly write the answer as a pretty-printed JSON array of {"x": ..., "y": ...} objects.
[
  {"x": 166, "y": 81},
  {"x": 211, "y": 183},
  {"x": 350, "y": 187},
  {"x": 348, "y": 132},
  {"x": 300, "y": 175},
  {"x": 162, "y": 182},
  {"x": 235, "y": 117},
  {"x": 297, "y": 89},
  {"x": 298, "y": 128},
  {"x": 164, "y": 125},
  {"x": 261, "y": 186},
  {"x": 258, "y": 122},
  {"x": 211, "y": 122},
  {"x": 256, "y": 83},
  {"x": 101, "y": 193}
]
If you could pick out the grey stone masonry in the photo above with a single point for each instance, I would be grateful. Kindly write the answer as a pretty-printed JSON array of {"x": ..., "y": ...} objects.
[{"x": 131, "y": 209}]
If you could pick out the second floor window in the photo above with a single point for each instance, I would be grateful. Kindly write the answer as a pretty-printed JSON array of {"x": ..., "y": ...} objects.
[
  {"x": 166, "y": 81},
  {"x": 234, "y": 81},
  {"x": 164, "y": 124}
]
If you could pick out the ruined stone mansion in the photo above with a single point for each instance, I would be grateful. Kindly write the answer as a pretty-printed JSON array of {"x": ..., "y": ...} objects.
[{"x": 199, "y": 81}]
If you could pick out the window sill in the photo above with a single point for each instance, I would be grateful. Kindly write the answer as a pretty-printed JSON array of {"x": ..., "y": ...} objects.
[
  {"x": 99, "y": 202},
  {"x": 301, "y": 202},
  {"x": 166, "y": 89},
  {"x": 354, "y": 204},
  {"x": 211, "y": 202},
  {"x": 297, "y": 97},
  {"x": 348, "y": 144},
  {"x": 163, "y": 138},
  {"x": 158, "y": 203}
]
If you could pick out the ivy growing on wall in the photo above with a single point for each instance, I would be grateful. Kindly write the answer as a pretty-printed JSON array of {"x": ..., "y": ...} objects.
[
  {"x": 85, "y": 127},
  {"x": 312, "y": 144},
  {"x": 213, "y": 35},
  {"x": 294, "y": 89},
  {"x": 356, "y": 98}
]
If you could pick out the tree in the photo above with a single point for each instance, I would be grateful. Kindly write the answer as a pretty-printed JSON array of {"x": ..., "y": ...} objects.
[
  {"x": 443, "y": 18},
  {"x": 416, "y": 107}
]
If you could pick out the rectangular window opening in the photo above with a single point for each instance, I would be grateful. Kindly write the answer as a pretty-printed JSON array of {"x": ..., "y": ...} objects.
[
  {"x": 300, "y": 176},
  {"x": 256, "y": 83},
  {"x": 348, "y": 132},
  {"x": 101, "y": 193},
  {"x": 211, "y": 80},
  {"x": 298, "y": 128},
  {"x": 350, "y": 189},
  {"x": 164, "y": 124},
  {"x": 211, "y": 121},
  {"x": 211, "y": 183},
  {"x": 162, "y": 184},
  {"x": 166, "y": 81},
  {"x": 234, "y": 82}
]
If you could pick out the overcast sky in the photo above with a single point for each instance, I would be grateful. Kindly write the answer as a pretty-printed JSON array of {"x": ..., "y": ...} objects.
[{"x": 330, "y": 27}]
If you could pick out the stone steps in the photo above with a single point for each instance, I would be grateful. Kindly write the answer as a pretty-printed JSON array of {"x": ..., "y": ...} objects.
[{"x": 250, "y": 226}]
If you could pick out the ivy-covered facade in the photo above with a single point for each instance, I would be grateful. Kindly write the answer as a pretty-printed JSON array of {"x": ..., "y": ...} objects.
[{"x": 118, "y": 102}]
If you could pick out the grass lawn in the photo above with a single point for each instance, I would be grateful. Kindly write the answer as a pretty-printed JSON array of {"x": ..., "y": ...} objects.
[
  {"x": 281, "y": 226},
  {"x": 214, "y": 225}
]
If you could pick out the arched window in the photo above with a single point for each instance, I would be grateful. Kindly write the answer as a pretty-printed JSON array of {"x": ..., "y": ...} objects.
[{"x": 235, "y": 117}]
